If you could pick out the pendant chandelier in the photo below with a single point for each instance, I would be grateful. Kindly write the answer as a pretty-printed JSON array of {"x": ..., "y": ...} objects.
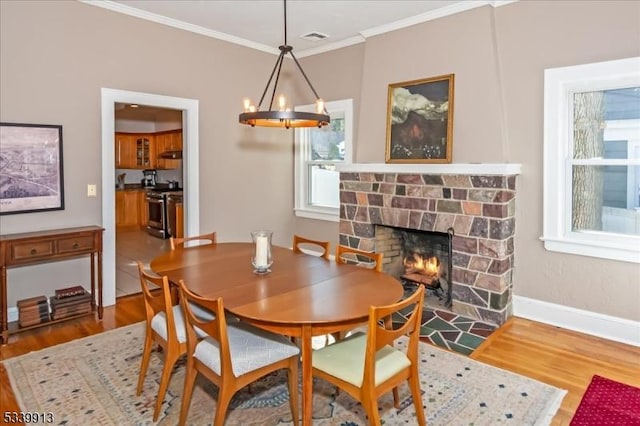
[{"x": 284, "y": 116}]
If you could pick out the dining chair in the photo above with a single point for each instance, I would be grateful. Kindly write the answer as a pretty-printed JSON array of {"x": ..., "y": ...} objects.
[
  {"x": 232, "y": 355},
  {"x": 300, "y": 244},
  {"x": 363, "y": 258},
  {"x": 367, "y": 365},
  {"x": 165, "y": 327},
  {"x": 175, "y": 242}
]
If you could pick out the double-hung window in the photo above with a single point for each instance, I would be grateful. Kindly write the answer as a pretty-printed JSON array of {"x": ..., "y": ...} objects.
[
  {"x": 318, "y": 152},
  {"x": 592, "y": 160}
]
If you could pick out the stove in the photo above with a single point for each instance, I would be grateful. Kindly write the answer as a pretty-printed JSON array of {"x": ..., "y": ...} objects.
[{"x": 158, "y": 218}]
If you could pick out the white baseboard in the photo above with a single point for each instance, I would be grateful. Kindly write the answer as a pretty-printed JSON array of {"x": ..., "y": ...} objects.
[{"x": 605, "y": 326}]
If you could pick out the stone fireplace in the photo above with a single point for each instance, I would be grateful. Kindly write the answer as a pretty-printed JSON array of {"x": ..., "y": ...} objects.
[{"x": 473, "y": 202}]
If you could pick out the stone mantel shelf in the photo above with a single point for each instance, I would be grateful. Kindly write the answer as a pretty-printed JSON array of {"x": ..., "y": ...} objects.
[{"x": 501, "y": 169}]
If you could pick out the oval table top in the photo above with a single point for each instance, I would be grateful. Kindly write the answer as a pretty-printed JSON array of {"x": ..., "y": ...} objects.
[{"x": 300, "y": 289}]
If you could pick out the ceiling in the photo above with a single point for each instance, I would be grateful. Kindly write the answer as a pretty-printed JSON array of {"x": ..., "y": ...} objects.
[{"x": 259, "y": 24}]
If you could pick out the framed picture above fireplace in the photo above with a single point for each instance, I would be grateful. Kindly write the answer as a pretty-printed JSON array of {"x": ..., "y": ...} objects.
[
  {"x": 31, "y": 160},
  {"x": 420, "y": 121}
]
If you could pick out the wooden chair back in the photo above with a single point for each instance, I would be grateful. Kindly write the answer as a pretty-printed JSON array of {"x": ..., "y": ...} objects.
[
  {"x": 363, "y": 258},
  {"x": 175, "y": 242},
  {"x": 300, "y": 242},
  {"x": 156, "y": 294}
]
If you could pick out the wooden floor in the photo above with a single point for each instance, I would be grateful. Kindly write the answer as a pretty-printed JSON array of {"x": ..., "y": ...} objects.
[{"x": 559, "y": 357}]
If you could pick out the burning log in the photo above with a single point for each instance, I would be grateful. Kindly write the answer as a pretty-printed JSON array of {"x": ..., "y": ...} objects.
[{"x": 427, "y": 280}]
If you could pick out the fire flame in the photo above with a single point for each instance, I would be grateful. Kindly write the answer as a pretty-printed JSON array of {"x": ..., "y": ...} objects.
[{"x": 427, "y": 266}]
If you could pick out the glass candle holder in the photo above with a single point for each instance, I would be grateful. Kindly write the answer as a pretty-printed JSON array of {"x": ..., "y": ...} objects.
[{"x": 261, "y": 257}]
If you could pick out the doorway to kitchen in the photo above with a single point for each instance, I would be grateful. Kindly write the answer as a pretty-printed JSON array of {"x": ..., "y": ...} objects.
[{"x": 189, "y": 109}]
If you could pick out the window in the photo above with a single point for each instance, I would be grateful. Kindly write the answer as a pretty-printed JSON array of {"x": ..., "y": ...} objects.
[
  {"x": 592, "y": 160},
  {"x": 318, "y": 151}
]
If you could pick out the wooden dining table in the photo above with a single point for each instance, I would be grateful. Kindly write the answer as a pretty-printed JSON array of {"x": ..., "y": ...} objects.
[{"x": 303, "y": 295}]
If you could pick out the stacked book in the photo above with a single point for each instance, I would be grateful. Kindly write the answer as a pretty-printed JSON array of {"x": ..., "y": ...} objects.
[
  {"x": 70, "y": 301},
  {"x": 32, "y": 311}
]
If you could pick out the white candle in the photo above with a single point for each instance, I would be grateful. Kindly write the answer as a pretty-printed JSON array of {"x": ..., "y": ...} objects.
[{"x": 261, "y": 251}]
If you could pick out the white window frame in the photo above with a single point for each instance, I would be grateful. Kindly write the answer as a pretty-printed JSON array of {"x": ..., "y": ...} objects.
[
  {"x": 302, "y": 180},
  {"x": 560, "y": 84}
]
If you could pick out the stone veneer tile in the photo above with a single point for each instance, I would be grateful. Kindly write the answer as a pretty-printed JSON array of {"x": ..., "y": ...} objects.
[
  {"x": 503, "y": 196},
  {"x": 448, "y": 206},
  {"x": 479, "y": 227},
  {"x": 500, "y": 266},
  {"x": 374, "y": 215},
  {"x": 489, "y": 181},
  {"x": 465, "y": 245},
  {"x": 368, "y": 177},
  {"x": 411, "y": 179},
  {"x": 491, "y": 282},
  {"x": 461, "y": 259},
  {"x": 479, "y": 263},
  {"x": 401, "y": 190},
  {"x": 346, "y": 176},
  {"x": 493, "y": 317},
  {"x": 464, "y": 276},
  {"x": 410, "y": 203},
  {"x": 374, "y": 199},
  {"x": 364, "y": 230},
  {"x": 428, "y": 221},
  {"x": 457, "y": 181},
  {"x": 498, "y": 301},
  {"x": 415, "y": 218},
  {"x": 501, "y": 229},
  {"x": 348, "y": 197},
  {"x": 395, "y": 217},
  {"x": 444, "y": 222},
  {"x": 494, "y": 210},
  {"x": 493, "y": 248},
  {"x": 379, "y": 177},
  {"x": 362, "y": 198},
  {"x": 433, "y": 179},
  {"x": 462, "y": 224},
  {"x": 432, "y": 192},
  {"x": 472, "y": 208},
  {"x": 390, "y": 177},
  {"x": 358, "y": 186},
  {"x": 459, "y": 194},
  {"x": 482, "y": 195},
  {"x": 367, "y": 244},
  {"x": 362, "y": 215},
  {"x": 346, "y": 227},
  {"x": 387, "y": 188}
]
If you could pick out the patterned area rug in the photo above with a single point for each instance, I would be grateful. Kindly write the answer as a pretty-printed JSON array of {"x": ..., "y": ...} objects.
[
  {"x": 93, "y": 381},
  {"x": 607, "y": 402}
]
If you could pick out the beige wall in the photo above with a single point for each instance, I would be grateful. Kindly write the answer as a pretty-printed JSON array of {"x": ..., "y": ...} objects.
[{"x": 55, "y": 57}]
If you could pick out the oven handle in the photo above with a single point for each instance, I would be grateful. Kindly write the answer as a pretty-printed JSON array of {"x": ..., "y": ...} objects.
[{"x": 155, "y": 200}]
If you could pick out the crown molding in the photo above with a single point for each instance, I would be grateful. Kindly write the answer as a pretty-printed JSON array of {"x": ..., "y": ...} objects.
[{"x": 403, "y": 23}]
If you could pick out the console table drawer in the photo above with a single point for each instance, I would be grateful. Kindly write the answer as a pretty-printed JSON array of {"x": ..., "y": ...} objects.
[
  {"x": 69, "y": 245},
  {"x": 32, "y": 250}
]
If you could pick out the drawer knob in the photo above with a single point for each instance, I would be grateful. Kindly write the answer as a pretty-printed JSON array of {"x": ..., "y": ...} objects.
[
  {"x": 34, "y": 251},
  {"x": 76, "y": 245}
]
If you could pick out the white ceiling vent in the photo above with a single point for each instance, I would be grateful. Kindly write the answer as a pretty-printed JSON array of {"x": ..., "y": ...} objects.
[{"x": 314, "y": 36}]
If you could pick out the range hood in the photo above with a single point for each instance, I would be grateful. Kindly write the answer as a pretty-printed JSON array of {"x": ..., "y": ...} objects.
[{"x": 171, "y": 155}]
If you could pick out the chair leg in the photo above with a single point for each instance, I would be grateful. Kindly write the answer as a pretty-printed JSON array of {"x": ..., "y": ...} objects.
[
  {"x": 293, "y": 389},
  {"x": 144, "y": 365},
  {"x": 396, "y": 398},
  {"x": 414, "y": 385},
  {"x": 169, "y": 362},
  {"x": 224, "y": 398},
  {"x": 370, "y": 404},
  {"x": 189, "y": 383}
]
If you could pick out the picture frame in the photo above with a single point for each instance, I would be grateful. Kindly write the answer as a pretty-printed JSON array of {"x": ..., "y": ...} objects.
[
  {"x": 32, "y": 177},
  {"x": 420, "y": 121}
]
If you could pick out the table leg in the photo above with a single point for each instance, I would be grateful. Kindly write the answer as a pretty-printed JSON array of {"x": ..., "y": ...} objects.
[{"x": 307, "y": 377}]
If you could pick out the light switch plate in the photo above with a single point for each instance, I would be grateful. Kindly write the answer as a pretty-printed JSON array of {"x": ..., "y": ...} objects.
[{"x": 92, "y": 190}]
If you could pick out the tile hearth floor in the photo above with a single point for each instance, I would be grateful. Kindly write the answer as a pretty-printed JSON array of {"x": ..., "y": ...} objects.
[{"x": 453, "y": 331}]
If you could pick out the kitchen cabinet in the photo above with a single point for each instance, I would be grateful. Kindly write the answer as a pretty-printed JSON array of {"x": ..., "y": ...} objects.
[
  {"x": 125, "y": 145},
  {"x": 135, "y": 151},
  {"x": 168, "y": 141},
  {"x": 130, "y": 208}
]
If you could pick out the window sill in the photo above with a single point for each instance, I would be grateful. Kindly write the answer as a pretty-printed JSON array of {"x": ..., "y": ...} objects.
[
  {"x": 318, "y": 215},
  {"x": 592, "y": 249}
]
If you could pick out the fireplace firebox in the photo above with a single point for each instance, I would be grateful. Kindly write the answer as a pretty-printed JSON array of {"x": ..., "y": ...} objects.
[{"x": 419, "y": 258}]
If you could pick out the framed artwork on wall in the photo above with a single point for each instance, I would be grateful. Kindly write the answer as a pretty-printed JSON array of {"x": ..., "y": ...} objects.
[
  {"x": 420, "y": 121},
  {"x": 31, "y": 164}
]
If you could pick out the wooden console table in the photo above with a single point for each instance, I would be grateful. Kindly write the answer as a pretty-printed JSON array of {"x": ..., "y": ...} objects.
[{"x": 49, "y": 246}]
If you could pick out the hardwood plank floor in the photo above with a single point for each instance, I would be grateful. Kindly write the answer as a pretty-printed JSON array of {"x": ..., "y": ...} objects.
[{"x": 556, "y": 356}]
